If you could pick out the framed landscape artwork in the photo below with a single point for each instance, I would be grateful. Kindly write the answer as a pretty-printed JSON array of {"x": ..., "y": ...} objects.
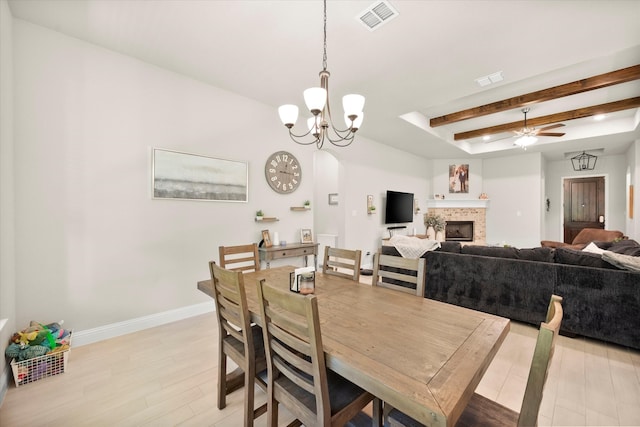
[
  {"x": 185, "y": 176},
  {"x": 459, "y": 178}
]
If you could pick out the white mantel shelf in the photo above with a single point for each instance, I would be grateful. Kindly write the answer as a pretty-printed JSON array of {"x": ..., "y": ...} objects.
[{"x": 458, "y": 203}]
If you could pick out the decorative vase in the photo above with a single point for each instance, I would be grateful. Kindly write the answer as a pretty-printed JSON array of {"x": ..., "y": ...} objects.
[
  {"x": 440, "y": 236},
  {"x": 431, "y": 233}
]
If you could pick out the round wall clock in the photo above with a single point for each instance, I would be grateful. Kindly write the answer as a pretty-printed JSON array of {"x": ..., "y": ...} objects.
[{"x": 283, "y": 172}]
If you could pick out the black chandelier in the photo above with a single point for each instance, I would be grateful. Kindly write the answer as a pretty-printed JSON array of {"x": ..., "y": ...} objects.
[
  {"x": 584, "y": 162},
  {"x": 321, "y": 125}
]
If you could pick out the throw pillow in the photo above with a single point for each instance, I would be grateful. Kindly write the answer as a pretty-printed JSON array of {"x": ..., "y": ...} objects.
[{"x": 593, "y": 248}]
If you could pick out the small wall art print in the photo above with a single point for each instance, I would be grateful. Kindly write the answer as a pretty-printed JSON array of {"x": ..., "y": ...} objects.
[
  {"x": 185, "y": 176},
  {"x": 459, "y": 178}
]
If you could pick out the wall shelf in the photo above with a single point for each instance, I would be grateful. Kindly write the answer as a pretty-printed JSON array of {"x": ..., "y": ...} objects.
[
  {"x": 268, "y": 219},
  {"x": 300, "y": 208}
]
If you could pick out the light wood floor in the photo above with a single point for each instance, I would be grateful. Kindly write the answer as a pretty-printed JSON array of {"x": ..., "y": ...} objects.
[{"x": 166, "y": 376}]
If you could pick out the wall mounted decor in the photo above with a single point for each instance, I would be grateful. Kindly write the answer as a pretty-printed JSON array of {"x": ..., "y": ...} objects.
[
  {"x": 459, "y": 178},
  {"x": 184, "y": 176},
  {"x": 333, "y": 198}
]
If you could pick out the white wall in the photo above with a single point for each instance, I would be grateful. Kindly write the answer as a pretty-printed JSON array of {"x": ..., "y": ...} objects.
[
  {"x": 613, "y": 168},
  {"x": 633, "y": 178},
  {"x": 7, "y": 249},
  {"x": 441, "y": 178},
  {"x": 372, "y": 168},
  {"x": 514, "y": 188},
  {"x": 93, "y": 248}
]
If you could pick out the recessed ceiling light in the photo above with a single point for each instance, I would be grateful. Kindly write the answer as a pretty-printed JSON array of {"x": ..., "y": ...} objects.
[
  {"x": 486, "y": 137},
  {"x": 599, "y": 117}
]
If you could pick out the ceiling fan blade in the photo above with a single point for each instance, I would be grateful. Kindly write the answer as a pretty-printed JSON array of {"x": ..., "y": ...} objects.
[
  {"x": 557, "y": 125},
  {"x": 550, "y": 134}
]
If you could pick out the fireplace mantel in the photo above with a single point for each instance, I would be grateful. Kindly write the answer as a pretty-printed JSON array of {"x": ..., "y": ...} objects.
[{"x": 458, "y": 203}]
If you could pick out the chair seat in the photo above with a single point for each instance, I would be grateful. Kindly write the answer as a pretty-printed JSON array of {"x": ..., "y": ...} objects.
[
  {"x": 258, "y": 342},
  {"x": 341, "y": 392},
  {"x": 490, "y": 413}
]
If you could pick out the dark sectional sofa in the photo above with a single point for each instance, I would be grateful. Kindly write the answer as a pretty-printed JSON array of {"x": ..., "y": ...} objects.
[{"x": 599, "y": 300}]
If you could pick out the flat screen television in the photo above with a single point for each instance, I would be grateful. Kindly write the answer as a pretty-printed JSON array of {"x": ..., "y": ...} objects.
[{"x": 399, "y": 207}]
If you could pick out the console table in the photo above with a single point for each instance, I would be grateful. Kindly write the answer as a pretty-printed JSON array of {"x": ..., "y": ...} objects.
[{"x": 288, "y": 251}]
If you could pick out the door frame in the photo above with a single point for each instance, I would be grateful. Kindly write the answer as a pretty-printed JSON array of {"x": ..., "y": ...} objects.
[{"x": 606, "y": 199}]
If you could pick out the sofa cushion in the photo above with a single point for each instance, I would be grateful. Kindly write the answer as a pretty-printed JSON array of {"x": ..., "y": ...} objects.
[
  {"x": 580, "y": 258},
  {"x": 625, "y": 247},
  {"x": 453, "y": 247},
  {"x": 533, "y": 254}
]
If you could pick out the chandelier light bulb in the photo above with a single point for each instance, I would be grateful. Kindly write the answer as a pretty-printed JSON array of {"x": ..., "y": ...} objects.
[
  {"x": 288, "y": 114},
  {"x": 526, "y": 140},
  {"x": 353, "y": 104},
  {"x": 315, "y": 98}
]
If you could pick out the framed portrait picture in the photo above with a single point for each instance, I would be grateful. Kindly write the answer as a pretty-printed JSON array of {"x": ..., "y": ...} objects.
[
  {"x": 306, "y": 236},
  {"x": 266, "y": 237},
  {"x": 459, "y": 178},
  {"x": 184, "y": 176}
]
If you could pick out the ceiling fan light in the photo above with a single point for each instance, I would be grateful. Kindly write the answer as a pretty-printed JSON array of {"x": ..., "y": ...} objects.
[
  {"x": 315, "y": 98},
  {"x": 288, "y": 114},
  {"x": 526, "y": 140},
  {"x": 353, "y": 104}
]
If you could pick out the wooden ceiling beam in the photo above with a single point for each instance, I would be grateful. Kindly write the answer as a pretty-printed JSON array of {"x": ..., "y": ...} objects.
[
  {"x": 596, "y": 82},
  {"x": 580, "y": 113}
]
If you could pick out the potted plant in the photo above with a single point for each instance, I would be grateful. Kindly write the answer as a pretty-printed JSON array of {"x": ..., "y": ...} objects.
[
  {"x": 307, "y": 204},
  {"x": 435, "y": 224},
  {"x": 372, "y": 209},
  {"x": 259, "y": 215}
]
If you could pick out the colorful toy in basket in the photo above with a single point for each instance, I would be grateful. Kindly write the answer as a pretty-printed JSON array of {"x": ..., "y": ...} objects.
[{"x": 38, "y": 340}]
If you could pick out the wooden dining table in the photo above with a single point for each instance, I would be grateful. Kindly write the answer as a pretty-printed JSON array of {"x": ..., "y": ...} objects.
[{"x": 421, "y": 356}]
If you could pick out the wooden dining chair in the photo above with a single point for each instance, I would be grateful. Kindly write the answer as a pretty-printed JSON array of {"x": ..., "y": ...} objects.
[
  {"x": 400, "y": 274},
  {"x": 298, "y": 377},
  {"x": 337, "y": 260},
  {"x": 485, "y": 412},
  {"x": 242, "y": 258},
  {"x": 238, "y": 340}
]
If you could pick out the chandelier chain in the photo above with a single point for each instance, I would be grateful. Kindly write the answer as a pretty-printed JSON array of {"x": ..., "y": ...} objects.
[{"x": 324, "y": 56}]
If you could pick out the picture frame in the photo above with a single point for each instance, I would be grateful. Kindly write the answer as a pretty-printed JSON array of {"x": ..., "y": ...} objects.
[
  {"x": 459, "y": 178},
  {"x": 306, "y": 236},
  {"x": 333, "y": 198},
  {"x": 184, "y": 176},
  {"x": 266, "y": 238}
]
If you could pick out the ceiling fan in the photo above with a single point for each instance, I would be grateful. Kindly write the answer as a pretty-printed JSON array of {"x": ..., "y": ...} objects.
[{"x": 527, "y": 136}]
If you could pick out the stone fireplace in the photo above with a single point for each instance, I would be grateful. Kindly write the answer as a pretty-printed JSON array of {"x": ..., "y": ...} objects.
[{"x": 463, "y": 211}]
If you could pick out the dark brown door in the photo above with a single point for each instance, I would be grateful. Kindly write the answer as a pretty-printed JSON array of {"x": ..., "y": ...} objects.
[{"x": 583, "y": 205}]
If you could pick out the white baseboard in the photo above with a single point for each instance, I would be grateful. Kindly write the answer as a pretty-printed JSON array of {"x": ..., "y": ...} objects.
[{"x": 101, "y": 333}]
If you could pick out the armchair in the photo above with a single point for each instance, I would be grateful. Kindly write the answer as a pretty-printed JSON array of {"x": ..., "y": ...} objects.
[{"x": 584, "y": 237}]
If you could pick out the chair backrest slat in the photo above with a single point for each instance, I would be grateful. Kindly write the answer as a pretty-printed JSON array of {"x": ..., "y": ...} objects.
[
  {"x": 408, "y": 274},
  {"x": 542, "y": 356},
  {"x": 336, "y": 260},
  {"x": 243, "y": 258}
]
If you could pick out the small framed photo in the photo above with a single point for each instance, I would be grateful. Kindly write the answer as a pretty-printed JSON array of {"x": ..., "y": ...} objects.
[
  {"x": 266, "y": 237},
  {"x": 306, "y": 236},
  {"x": 333, "y": 198}
]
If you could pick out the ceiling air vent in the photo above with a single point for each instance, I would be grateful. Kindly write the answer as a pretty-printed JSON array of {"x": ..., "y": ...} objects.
[{"x": 376, "y": 15}]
